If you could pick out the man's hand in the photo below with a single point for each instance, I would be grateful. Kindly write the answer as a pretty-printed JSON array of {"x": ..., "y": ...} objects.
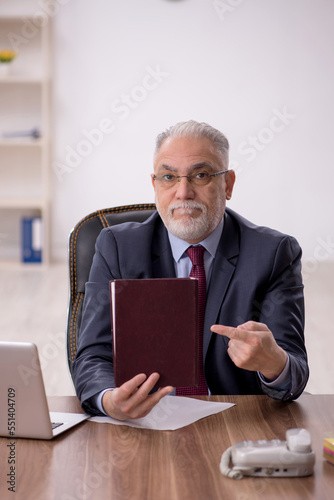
[
  {"x": 252, "y": 347},
  {"x": 132, "y": 399}
]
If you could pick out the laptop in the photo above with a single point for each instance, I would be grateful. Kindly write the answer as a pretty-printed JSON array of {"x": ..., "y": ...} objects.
[{"x": 24, "y": 411}]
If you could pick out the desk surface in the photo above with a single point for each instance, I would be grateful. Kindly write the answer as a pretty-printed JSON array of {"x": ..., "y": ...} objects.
[{"x": 96, "y": 461}]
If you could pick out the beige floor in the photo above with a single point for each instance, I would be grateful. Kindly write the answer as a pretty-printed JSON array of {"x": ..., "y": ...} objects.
[{"x": 34, "y": 308}]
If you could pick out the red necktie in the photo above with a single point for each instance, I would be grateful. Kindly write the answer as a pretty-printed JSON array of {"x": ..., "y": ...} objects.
[{"x": 197, "y": 271}]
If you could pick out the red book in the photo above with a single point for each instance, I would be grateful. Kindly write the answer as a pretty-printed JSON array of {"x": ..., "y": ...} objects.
[{"x": 155, "y": 329}]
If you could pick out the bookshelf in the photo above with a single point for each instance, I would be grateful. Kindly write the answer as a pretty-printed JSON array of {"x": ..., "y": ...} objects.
[{"x": 25, "y": 106}]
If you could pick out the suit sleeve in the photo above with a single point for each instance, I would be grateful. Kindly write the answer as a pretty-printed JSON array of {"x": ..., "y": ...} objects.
[
  {"x": 93, "y": 365},
  {"x": 282, "y": 310}
]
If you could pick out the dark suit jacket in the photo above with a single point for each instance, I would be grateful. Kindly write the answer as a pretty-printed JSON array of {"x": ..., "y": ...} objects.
[{"x": 256, "y": 276}]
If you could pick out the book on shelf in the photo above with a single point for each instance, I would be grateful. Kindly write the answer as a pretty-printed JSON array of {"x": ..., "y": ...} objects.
[
  {"x": 31, "y": 239},
  {"x": 155, "y": 329},
  {"x": 33, "y": 133}
]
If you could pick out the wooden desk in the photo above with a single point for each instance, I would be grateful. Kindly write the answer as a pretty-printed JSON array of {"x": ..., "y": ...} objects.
[{"x": 98, "y": 461}]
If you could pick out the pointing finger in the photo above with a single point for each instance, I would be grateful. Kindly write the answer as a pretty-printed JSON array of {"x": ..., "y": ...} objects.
[
  {"x": 239, "y": 333},
  {"x": 227, "y": 331}
]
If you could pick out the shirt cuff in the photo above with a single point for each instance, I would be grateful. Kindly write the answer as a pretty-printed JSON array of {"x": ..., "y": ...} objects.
[
  {"x": 282, "y": 382},
  {"x": 97, "y": 400}
]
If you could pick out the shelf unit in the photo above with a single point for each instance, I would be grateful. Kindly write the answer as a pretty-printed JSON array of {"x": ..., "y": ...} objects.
[{"x": 25, "y": 104}]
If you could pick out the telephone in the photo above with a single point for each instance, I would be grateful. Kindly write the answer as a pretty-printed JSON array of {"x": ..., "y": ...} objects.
[{"x": 293, "y": 457}]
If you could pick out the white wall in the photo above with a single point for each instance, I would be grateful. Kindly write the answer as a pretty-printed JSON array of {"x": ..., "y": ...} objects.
[{"x": 239, "y": 65}]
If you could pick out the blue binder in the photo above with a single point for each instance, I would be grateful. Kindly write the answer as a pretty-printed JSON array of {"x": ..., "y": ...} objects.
[{"x": 32, "y": 239}]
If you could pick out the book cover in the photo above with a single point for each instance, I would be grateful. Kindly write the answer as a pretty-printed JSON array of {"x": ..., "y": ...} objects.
[
  {"x": 155, "y": 329},
  {"x": 31, "y": 239}
]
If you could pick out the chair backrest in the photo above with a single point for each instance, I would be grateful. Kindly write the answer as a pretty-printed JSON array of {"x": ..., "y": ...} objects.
[{"x": 81, "y": 251}]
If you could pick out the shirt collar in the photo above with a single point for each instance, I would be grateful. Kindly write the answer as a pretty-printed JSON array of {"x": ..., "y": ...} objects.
[{"x": 210, "y": 243}]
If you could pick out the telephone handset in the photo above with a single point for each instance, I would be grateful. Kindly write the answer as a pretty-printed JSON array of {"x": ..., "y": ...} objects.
[{"x": 293, "y": 457}]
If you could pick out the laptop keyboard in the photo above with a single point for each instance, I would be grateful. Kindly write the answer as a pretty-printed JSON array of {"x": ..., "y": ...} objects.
[{"x": 56, "y": 424}]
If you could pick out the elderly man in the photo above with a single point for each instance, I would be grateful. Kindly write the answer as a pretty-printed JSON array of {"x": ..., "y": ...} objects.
[{"x": 252, "y": 333}]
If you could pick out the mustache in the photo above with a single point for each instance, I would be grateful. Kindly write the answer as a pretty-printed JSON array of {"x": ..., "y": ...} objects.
[{"x": 186, "y": 205}]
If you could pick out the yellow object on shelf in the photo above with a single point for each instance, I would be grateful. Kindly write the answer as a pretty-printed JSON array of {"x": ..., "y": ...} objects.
[
  {"x": 7, "y": 56},
  {"x": 328, "y": 450}
]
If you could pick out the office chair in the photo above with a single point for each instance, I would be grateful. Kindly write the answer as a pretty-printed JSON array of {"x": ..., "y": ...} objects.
[{"x": 81, "y": 251}]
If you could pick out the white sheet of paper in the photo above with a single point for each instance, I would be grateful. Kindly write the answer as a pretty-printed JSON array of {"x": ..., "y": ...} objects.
[{"x": 171, "y": 413}]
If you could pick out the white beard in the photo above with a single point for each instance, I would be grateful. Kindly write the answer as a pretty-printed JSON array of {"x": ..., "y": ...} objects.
[{"x": 192, "y": 228}]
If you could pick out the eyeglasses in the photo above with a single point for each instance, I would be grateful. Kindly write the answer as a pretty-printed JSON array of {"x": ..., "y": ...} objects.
[{"x": 197, "y": 178}]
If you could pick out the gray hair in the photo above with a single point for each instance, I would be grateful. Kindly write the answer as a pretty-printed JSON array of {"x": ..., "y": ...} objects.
[{"x": 197, "y": 130}]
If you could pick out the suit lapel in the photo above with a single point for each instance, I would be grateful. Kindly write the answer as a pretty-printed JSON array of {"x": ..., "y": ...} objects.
[
  {"x": 162, "y": 258},
  {"x": 222, "y": 273}
]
